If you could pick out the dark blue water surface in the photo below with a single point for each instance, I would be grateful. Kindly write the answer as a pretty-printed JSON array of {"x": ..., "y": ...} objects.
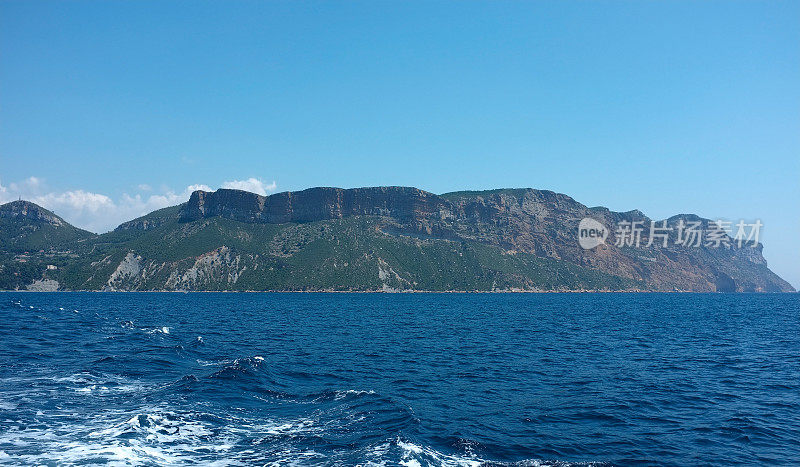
[{"x": 388, "y": 379}]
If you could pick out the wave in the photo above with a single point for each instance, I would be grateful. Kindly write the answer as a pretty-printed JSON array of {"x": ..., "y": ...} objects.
[
  {"x": 331, "y": 427},
  {"x": 166, "y": 437},
  {"x": 7, "y": 406},
  {"x": 400, "y": 451},
  {"x": 240, "y": 367},
  {"x": 86, "y": 382},
  {"x": 154, "y": 437},
  {"x": 335, "y": 395}
]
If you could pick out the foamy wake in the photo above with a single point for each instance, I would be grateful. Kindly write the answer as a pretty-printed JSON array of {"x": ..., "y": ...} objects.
[
  {"x": 351, "y": 392},
  {"x": 159, "y": 436},
  {"x": 408, "y": 454},
  {"x": 109, "y": 384},
  {"x": 155, "y": 437},
  {"x": 166, "y": 435}
]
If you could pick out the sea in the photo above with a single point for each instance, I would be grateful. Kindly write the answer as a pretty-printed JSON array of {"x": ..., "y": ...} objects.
[{"x": 399, "y": 379}]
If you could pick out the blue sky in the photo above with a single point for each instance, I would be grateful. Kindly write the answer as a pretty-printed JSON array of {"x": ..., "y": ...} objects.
[{"x": 109, "y": 109}]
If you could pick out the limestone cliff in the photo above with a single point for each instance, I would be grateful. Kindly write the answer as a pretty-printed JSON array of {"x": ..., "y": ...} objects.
[
  {"x": 30, "y": 212},
  {"x": 380, "y": 238},
  {"x": 538, "y": 222}
]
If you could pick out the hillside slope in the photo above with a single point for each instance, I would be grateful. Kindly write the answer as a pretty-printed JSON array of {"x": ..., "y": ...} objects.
[
  {"x": 32, "y": 237},
  {"x": 394, "y": 238}
]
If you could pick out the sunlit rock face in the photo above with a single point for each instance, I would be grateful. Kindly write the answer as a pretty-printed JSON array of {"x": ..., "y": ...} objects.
[
  {"x": 379, "y": 238},
  {"x": 314, "y": 204},
  {"x": 29, "y": 211}
]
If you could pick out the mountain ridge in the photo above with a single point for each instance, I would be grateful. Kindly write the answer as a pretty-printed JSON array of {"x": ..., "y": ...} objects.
[
  {"x": 31, "y": 211},
  {"x": 400, "y": 238}
]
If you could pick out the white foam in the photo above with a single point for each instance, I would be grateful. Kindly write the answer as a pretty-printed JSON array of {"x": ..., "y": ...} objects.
[
  {"x": 217, "y": 363},
  {"x": 152, "y": 437},
  {"x": 165, "y": 427},
  {"x": 294, "y": 427},
  {"x": 87, "y": 383},
  {"x": 351, "y": 392},
  {"x": 158, "y": 436},
  {"x": 413, "y": 455},
  {"x": 166, "y": 435}
]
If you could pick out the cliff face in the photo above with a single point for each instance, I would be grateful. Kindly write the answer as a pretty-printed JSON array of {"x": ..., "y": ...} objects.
[
  {"x": 382, "y": 238},
  {"x": 545, "y": 223},
  {"x": 153, "y": 220},
  {"x": 542, "y": 223},
  {"x": 31, "y": 238},
  {"x": 27, "y": 211},
  {"x": 408, "y": 205}
]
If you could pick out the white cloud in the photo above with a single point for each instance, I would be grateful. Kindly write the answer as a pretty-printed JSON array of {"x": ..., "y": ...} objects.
[
  {"x": 145, "y": 187},
  {"x": 77, "y": 200},
  {"x": 30, "y": 185},
  {"x": 100, "y": 213},
  {"x": 253, "y": 185},
  {"x": 192, "y": 188}
]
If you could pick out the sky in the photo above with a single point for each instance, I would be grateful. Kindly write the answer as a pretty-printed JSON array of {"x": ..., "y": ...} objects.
[{"x": 111, "y": 109}]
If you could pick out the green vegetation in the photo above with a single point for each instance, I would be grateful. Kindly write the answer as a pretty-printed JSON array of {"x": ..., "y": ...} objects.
[
  {"x": 21, "y": 237},
  {"x": 490, "y": 247},
  {"x": 515, "y": 192},
  {"x": 158, "y": 252}
]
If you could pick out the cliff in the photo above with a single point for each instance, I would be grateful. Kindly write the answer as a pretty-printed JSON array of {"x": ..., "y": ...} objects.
[
  {"x": 31, "y": 239},
  {"x": 29, "y": 212},
  {"x": 408, "y": 205},
  {"x": 401, "y": 238}
]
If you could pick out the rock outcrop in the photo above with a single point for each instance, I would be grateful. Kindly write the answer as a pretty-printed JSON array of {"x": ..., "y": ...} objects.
[
  {"x": 539, "y": 222},
  {"x": 408, "y": 205},
  {"x": 29, "y": 211},
  {"x": 381, "y": 238}
]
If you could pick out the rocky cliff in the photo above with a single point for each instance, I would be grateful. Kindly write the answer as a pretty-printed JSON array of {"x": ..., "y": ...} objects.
[
  {"x": 382, "y": 238},
  {"x": 29, "y": 212},
  {"x": 31, "y": 240},
  {"x": 538, "y": 222},
  {"x": 407, "y": 205}
]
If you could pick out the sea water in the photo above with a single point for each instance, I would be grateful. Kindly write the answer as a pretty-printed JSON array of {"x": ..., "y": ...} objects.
[{"x": 399, "y": 379}]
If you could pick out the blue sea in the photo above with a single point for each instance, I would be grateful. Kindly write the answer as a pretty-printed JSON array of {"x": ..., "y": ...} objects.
[{"x": 399, "y": 379}]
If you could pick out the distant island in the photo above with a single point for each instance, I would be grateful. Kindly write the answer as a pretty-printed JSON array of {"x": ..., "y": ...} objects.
[{"x": 367, "y": 239}]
